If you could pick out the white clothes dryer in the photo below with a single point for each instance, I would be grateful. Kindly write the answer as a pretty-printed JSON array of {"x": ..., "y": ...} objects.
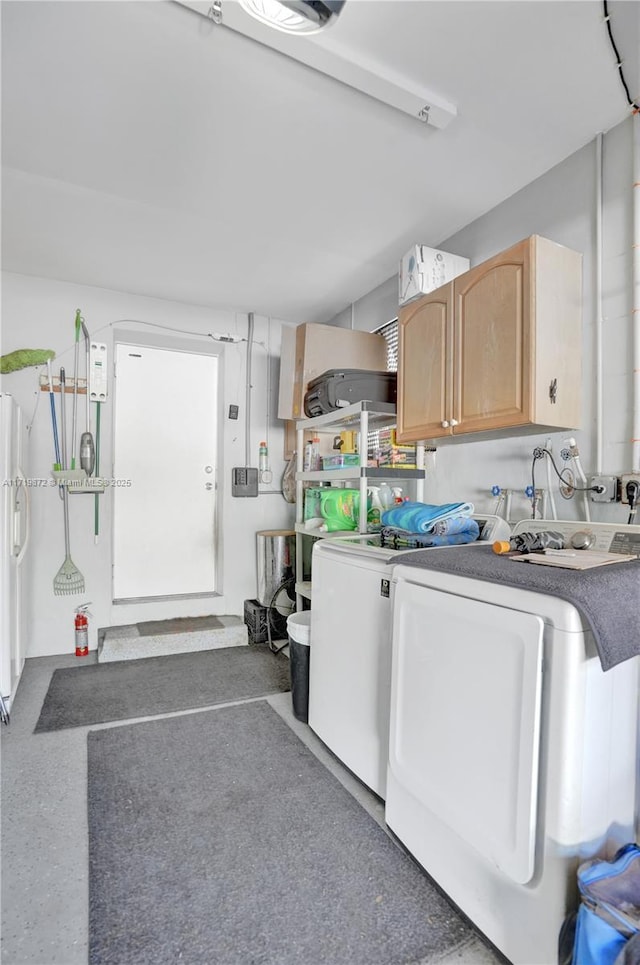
[{"x": 512, "y": 753}]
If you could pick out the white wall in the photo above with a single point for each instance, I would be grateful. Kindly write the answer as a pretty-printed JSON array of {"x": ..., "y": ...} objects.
[
  {"x": 561, "y": 206},
  {"x": 375, "y": 308},
  {"x": 38, "y": 313}
]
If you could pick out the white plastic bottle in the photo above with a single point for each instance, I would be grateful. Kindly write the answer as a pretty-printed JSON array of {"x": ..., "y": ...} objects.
[
  {"x": 373, "y": 492},
  {"x": 385, "y": 496},
  {"x": 263, "y": 464},
  {"x": 316, "y": 460},
  {"x": 306, "y": 458}
]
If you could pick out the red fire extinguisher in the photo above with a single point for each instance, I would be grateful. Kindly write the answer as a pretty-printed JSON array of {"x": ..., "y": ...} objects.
[{"x": 82, "y": 630}]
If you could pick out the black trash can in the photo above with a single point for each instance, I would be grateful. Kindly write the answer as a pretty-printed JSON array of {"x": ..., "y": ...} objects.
[{"x": 299, "y": 633}]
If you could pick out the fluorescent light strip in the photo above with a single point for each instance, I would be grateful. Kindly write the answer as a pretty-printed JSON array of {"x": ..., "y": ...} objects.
[{"x": 417, "y": 103}]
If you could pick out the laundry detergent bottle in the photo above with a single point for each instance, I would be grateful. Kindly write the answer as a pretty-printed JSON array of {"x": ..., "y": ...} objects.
[{"x": 340, "y": 509}]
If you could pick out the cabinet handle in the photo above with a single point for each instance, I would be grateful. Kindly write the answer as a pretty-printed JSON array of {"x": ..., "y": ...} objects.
[
  {"x": 454, "y": 422},
  {"x": 445, "y": 424}
]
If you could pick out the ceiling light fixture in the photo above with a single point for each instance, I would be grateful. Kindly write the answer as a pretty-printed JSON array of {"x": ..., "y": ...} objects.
[
  {"x": 322, "y": 54},
  {"x": 295, "y": 16}
]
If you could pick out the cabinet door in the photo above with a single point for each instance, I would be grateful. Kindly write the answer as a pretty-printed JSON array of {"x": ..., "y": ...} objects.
[
  {"x": 492, "y": 356},
  {"x": 425, "y": 329}
]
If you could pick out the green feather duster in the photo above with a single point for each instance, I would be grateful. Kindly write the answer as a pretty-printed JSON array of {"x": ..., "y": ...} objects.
[{"x": 24, "y": 357}]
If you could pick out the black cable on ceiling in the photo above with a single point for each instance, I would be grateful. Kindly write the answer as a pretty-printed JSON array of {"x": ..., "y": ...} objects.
[{"x": 607, "y": 20}]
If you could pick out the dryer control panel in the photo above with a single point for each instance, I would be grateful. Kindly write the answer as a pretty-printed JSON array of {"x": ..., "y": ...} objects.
[
  {"x": 492, "y": 527},
  {"x": 604, "y": 537}
]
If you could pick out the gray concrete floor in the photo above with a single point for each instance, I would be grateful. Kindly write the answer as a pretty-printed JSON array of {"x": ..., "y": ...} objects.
[{"x": 44, "y": 848}]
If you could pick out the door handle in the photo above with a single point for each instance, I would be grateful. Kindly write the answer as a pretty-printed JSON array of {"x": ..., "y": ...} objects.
[
  {"x": 454, "y": 422},
  {"x": 21, "y": 550},
  {"x": 445, "y": 424}
]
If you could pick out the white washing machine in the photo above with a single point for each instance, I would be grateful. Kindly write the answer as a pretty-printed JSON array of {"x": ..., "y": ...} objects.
[
  {"x": 350, "y": 658},
  {"x": 512, "y": 755}
]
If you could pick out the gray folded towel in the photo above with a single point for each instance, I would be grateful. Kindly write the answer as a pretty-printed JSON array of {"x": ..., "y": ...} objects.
[{"x": 608, "y": 597}]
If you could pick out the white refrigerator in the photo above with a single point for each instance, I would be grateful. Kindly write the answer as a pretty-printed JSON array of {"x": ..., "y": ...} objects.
[{"x": 15, "y": 539}]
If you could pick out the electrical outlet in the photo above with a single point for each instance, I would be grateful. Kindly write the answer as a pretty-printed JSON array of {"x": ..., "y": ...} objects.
[
  {"x": 244, "y": 481},
  {"x": 609, "y": 484},
  {"x": 624, "y": 479}
]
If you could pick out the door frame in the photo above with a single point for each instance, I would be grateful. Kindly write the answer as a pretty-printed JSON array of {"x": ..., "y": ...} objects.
[{"x": 193, "y": 346}]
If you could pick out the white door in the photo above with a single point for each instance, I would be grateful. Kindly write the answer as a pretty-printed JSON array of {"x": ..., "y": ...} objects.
[{"x": 165, "y": 471}]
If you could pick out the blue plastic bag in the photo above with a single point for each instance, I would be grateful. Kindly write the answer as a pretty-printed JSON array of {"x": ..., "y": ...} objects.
[{"x": 609, "y": 913}]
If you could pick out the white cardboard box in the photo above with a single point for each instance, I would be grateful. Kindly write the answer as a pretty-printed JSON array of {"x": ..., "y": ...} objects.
[{"x": 424, "y": 269}]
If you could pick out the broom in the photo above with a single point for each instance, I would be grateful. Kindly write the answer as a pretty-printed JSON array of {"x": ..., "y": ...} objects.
[{"x": 68, "y": 579}]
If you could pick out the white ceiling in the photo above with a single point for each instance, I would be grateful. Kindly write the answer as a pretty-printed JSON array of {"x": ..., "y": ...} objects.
[{"x": 150, "y": 151}]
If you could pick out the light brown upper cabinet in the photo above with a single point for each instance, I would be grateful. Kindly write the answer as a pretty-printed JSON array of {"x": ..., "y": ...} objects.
[{"x": 495, "y": 352}]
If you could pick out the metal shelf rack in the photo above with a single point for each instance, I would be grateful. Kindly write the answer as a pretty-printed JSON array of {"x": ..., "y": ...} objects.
[{"x": 366, "y": 417}]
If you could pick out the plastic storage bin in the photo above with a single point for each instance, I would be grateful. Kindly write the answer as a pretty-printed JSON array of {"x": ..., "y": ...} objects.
[
  {"x": 255, "y": 619},
  {"x": 312, "y": 497},
  {"x": 343, "y": 461},
  {"x": 299, "y": 633}
]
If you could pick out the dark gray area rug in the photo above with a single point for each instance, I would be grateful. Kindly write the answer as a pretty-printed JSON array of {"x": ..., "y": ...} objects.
[
  {"x": 78, "y": 696},
  {"x": 218, "y": 838}
]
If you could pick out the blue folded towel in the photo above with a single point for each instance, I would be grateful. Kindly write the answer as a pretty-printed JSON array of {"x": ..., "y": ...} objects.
[
  {"x": 448, "y": 532},
  {"x": 421, "y": 517}
]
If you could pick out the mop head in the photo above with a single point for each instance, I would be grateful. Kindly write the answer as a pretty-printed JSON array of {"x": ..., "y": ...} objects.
[{"x": 24, "y": 357}]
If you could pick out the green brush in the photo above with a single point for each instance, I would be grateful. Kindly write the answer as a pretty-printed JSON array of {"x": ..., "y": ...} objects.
[{"x": 24, "y": 357}]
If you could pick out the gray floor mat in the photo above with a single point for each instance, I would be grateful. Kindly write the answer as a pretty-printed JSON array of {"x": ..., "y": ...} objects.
[
  {"x": 124, "y": 689},
  {"x": 220, "y": 838}
]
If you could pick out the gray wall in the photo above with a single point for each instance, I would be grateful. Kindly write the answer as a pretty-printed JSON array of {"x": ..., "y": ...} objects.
[{"x": 561, "y": 205}]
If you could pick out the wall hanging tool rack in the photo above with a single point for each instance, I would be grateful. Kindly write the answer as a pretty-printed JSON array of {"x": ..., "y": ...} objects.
[{"x": 69, "y": 387}]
